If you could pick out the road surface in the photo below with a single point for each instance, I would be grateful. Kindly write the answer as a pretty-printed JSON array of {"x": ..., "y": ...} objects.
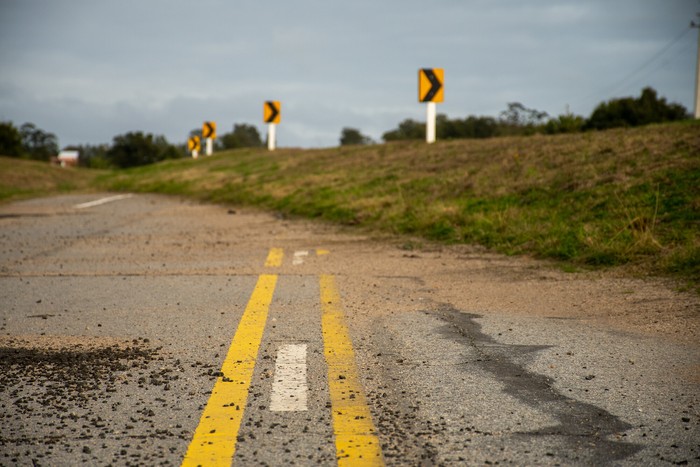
[{"x": 144, "y": 330}]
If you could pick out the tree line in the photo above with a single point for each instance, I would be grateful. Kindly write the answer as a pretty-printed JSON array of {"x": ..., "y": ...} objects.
[
  {"x": 127, "y": 150},
  {"x": 138, "y": 148},
  {"x": 520, "y": 120},
  {"x": 27, "y": 141}
]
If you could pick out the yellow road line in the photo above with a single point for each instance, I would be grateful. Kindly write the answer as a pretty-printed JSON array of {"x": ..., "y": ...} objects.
[
  {"x": 356, "y": 440},
  {"x": 274, "y": 258},
  {"x": 214, "y": 440}
]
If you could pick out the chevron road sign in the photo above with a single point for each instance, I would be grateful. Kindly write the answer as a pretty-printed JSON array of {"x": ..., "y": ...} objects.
[
  {"x": 271, "y": 112},
  {"x": 194, "y": 144},
  {"x": 430, "y": 85},
  {"x": 431, "y": 89},
  {"x": 209, "y": 130}
]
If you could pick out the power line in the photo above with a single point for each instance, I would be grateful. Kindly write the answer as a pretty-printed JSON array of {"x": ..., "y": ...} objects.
[
  {"x": 638, "y": 70},
  {"x": 614, "y": 87}
]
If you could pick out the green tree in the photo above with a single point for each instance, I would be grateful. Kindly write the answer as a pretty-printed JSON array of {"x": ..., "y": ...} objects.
[
  {"x": 628, "y": 111},
  {"x": 92, "y": 156},
  {"x": 470, "y": 127},
  {"x": 446, "y": 128},
  {"x": 242, "y": 136},
  {"x": 518, "y": 119},
  {"x": 567, "y": 123},
  {"x": 480, "y": 127},
  {"x": 10, "y": 140},
  {"x": 38, "y": 144},
  {"x": 408, "y": 129},
  {"x": 136, "y": 148},
  {"x": 353, "y": 136}
]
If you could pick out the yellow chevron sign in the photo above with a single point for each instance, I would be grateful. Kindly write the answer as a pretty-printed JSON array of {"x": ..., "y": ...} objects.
[
  {"x": 194, "y": 144},
  {"x": 272, "y": 112},
  {"x": 430, "y": 85},
  {"x": 209, "y": 130}
]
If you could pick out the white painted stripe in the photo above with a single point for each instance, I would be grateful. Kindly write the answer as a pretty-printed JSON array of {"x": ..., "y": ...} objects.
[
  {"x": 98, "y": 202},
  {"x": 299, "y": 257},
  {"x": 289, "y": 387}
]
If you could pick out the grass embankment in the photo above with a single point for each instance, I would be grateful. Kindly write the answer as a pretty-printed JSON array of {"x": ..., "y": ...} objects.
[
  {"x": 628, "y": 197},
  {"x": 21, "y": 178},
  {"x": 623, "y": 197}
]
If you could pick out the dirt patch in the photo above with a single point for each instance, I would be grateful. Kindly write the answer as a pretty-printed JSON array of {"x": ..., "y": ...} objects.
[
  {"x": 472, "y": 278},
  {"x": 61, "y": 394},
  {"x": 65, "y": 370},
  {"x": 56, "y": 343}
]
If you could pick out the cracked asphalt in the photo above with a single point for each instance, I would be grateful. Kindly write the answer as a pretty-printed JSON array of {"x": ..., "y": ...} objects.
[{"x": 115, "y": 321}]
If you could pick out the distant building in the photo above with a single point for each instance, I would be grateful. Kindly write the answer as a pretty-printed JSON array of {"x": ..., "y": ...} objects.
[{"x": 68, "y": 158}]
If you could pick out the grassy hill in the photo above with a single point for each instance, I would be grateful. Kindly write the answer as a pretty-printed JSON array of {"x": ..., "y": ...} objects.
[
  {"x": 627, "y": 197},
  {"x": 21, "y": 178}
]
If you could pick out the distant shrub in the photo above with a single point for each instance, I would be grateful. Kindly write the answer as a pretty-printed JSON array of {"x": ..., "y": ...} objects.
[
  {"x": 567, "y": 123},
  {"x": 628, "y": 111},
  {"x": 137, "y": 148},
  {"x": 353, "y": 136}
]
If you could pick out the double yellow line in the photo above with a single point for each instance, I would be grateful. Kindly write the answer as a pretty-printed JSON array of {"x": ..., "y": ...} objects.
[{"x": 356, "y": 441}]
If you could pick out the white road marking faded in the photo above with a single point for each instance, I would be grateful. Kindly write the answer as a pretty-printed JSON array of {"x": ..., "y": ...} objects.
[
  {"x": 98, "y": 202},
  {"x": 299, "y": 257},
  {"x": 289, "y": 388}
]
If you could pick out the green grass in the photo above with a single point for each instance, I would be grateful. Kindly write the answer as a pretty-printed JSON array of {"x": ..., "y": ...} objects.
[
  {"x": 622, "y": 198},
  {"x": 21, "y": 179},
  {"x": 627, "y": 197}
]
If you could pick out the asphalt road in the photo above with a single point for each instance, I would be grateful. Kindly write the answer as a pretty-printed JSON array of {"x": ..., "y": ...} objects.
[{"x": 143, "y": 330}]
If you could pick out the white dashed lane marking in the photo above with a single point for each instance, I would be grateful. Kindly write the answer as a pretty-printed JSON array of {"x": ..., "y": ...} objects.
[
  {"x": 289, "y": 388},
  {"x": 299, "y": 257},
  {"x": 98, "y": 202}
]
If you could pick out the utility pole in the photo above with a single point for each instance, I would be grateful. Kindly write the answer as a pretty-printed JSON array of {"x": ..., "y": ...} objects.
[{"x": 693, "y": 24}]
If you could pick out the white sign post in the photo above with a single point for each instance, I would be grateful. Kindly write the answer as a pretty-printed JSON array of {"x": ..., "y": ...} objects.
[
  {"x": 271, "y": 136},
  {"x": 430, "y": 119},
  {"x": 210, "y": 146}
]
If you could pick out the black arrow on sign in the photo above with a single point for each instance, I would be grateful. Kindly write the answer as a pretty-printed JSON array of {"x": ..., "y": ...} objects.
[
  {"x": 193, "y": 143},
  {"x": 435, "y": 84},
  {"x": 209, "y": 130},
  {"x": 273, "y": 111}
]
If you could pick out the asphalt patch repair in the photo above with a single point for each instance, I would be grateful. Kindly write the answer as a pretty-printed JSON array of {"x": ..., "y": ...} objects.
[
  {"x": 73, "y": 387},
  {"x": 583, "y": 428}
]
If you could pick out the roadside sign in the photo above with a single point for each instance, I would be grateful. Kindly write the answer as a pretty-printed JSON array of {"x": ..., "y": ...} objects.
[
  {"x": 431, "y": 85},
  {"x": 272, "y": 112},
  {"x": 209, "y": 130},
  {"x": 194, "y": 144}
]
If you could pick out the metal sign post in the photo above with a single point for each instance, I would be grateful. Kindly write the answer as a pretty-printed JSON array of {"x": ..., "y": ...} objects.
[{"x": 696, "y": 114}]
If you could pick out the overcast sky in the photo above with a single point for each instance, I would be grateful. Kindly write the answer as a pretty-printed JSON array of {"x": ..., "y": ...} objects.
[{"x": 87, "y": 70}]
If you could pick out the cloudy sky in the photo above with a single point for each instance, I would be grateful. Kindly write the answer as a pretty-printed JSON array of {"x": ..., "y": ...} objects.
[{"x": 87, "y": 70}]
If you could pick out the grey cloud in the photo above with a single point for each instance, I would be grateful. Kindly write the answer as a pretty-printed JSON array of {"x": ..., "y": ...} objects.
[{"x": 89, "y": 70}]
